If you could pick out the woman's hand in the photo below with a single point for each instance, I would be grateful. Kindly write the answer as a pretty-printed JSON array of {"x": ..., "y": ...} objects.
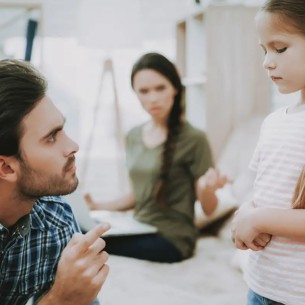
[
  {"x": 90, "y": 202},
  {"x": 212, "y": 180},
  {"x": 206, "y": 186},
  {"x": 124, "y": 203}
]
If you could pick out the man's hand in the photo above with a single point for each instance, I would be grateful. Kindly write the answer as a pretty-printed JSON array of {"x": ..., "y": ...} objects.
[
  {"x": 245, "y": 235},
  {"x": 81, "y": 270}
]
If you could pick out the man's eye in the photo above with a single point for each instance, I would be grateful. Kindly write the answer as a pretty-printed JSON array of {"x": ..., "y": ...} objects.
[
  {"x": 52, "y": 138},
  {"x": 282, "y": 50}
]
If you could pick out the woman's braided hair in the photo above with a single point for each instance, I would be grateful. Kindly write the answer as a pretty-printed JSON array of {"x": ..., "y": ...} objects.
[{"x": 162, "y": 65}]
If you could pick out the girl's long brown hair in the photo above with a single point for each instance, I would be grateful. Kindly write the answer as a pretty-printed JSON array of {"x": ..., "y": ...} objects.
[
  {"x": 298, "y": 201},
  {"x": 291, "y": 13}
]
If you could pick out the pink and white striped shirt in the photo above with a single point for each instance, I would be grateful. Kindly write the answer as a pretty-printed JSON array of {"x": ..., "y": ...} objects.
[{"x": 278, "y": 271}]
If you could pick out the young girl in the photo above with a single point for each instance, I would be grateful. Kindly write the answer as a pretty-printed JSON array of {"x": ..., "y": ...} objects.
[
  {"x": 269, "y": 225},
  {"x": 167, "y": 159}
]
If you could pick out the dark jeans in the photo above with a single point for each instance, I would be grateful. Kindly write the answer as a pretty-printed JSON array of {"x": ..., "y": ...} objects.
[
  {"x": 256, "y": 299},
  {"x": 152, "y": 247}
]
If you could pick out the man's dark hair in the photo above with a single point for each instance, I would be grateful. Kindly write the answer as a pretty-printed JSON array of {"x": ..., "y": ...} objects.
[{"x": 21, "y": 88}]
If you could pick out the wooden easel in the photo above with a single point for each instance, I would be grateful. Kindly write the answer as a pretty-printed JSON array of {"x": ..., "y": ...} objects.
[{"x": 119, "y": 135}]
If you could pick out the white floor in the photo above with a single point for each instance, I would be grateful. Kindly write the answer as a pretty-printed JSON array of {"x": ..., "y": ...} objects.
[{"x": 207, "y": 278}]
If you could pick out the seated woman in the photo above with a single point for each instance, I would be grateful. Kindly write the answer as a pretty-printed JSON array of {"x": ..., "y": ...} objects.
[{"x": 170, "y": 165}]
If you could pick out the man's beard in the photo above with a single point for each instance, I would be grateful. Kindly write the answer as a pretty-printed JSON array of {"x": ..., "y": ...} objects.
[{"x": 33, "y": 185}]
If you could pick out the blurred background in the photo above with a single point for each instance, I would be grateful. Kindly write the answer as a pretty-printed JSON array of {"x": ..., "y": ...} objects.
[{"x": 86, "y": 49}]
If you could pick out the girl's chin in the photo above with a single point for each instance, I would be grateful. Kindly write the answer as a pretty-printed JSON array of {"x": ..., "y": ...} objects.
[{"x": 286, "y": 90}]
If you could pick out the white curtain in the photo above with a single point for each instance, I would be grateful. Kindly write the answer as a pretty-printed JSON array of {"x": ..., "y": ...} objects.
[{"x": 237, "y": 87}]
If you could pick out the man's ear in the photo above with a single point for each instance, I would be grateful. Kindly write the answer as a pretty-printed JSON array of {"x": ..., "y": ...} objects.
[{"x": 8, "y": 167}]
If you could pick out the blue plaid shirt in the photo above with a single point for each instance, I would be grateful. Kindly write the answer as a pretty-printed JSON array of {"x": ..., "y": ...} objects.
[{"x": 30, "y": 252}]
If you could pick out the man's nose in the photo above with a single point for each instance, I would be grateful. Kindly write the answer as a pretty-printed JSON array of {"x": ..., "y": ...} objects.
[{"x": 71, "y": 147}]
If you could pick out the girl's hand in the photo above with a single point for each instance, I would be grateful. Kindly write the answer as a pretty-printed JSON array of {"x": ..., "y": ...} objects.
[
  {"x": 262, "y": 240},
  {"x": 245, "y": 235}
]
